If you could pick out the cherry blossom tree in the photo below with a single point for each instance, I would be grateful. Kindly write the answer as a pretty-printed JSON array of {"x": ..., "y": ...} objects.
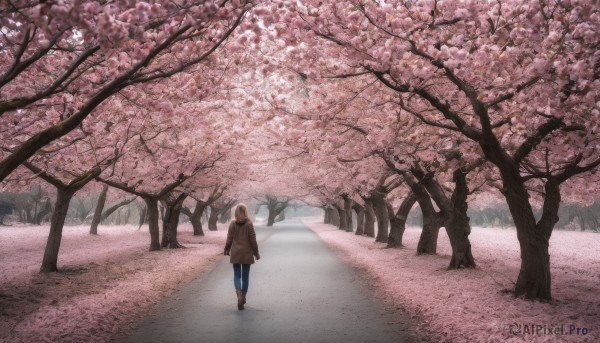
[
  {"x": 520, "y": 79},
  {"x": 61, "y": 60}
]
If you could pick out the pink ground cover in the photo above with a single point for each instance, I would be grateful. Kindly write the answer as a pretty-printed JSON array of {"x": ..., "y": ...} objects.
[
  {"x": 107, "y": 282},
  {"x": 469, "y": 305}
]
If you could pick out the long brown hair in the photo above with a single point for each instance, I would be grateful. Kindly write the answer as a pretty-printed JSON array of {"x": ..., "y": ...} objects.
[{"x": 241, "y": 212}]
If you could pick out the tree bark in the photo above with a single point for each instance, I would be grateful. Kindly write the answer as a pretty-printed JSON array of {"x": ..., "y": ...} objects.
[
  {"x": 335, "y": 217},
  {"x": 383, "y": 219},
  {"x": 429, "y": 236},
  {"x": 343, "y": 222},
  {"x": 64, "y": 194},
  {"x": 398, "y": 221},
  {"x": 534, "y": 280},
  {"x": 369, "y": 219},
  {"x": 225, "y": 212},
  {"x": 360, "y": 218},
  {"x": 274, "y": 211},
  {"x": 196, "y": 218},
  {"x": 171, "y": 222},
  {"x": 98, "y": 210},
  {"x": 453, "y": 214},
  {"x": 213, "y": 218},
  {"x": 458, "y": 227},
  {"x": 348, "y": 213},
  {"x": 280, "y": 217},
  {"x": 271, "y": 219},
  {"x": 152, "y": 213},
  {"x": 50, "y": 261},
  {"x": 432, "y": 222},
  {"x": 326, "y": 216}
]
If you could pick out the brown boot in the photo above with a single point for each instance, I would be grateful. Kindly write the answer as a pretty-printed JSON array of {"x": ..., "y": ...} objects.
[
  {"x": 240, "y": 299},
  {"x": 244, "y": 297}
]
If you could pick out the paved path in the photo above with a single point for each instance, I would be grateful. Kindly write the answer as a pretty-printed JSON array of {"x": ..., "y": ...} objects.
[{"x": 299, "y": 292}]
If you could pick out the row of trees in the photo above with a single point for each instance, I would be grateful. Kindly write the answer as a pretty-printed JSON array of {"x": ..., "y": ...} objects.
[
  {"x": 441, "y": 102},
  {"x": 357, "y": 106},
  {"x": 122, "y": 95}
]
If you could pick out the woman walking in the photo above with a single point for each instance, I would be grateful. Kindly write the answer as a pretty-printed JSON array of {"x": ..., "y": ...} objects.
[{"x": 242, "y": 247}]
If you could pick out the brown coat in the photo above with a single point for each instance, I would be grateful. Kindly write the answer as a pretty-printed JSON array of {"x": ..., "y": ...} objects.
[{"x": 241, "y": 242}]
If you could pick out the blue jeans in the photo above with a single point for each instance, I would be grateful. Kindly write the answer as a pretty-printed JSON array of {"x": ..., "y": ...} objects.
[{"x": 241, "y": 276}]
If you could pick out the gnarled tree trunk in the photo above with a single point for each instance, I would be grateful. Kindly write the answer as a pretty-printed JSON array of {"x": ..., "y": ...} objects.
[
  {"x": 196, "y": 218},
  {"x": 458, "y": 227},
  {"x": 398, "y": 221},
  {"x": 360, "y": 218},
  {"x": 534, "y": 280},
  {"x": 432, "y": 221},
  {"x": 383, "y": 219},
  {"x": 343, "y": 222},
  {"x": 429, "y": 236},
  {"x": 171, "y": 221},
  {"x": 275, "y": 209}
]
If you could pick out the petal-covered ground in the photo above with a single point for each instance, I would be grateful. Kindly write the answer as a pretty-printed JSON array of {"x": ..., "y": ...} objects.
[
  {"x": 469, "y": 305},
  {"x": 106, "y": 283}
]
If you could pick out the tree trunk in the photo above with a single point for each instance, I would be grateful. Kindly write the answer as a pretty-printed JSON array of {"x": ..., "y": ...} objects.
[
  {"x": 348, "y": 213},
  {"x": 383, "y": 219},
  {"x": 280, "y": 217},
  {"x": 274, "y": 211},
  {"x": 213, "y": 218},
  {"x": 171, "y": 222},
  {"x": 326, "y": 216},
  {"x": 196, "y": 218},
  {"x": 225, "y": 215},
  {"x": 432, "y": 221},
  {"x": 534, "y": 280},
  {"x": 458, "y": 227},
  {"x": 152, "y": 213},
  {"x": 398, "y": 221},
  {"x": 98, "y": 210},
  {"x": 271, "y": 217},
  {"x": 50, "y": 261},
  {"x": 428, "y": 239},
  {"x": 335, "y": 217},
  {"x": 343, "y": 222},
  {"x": 360, "y": 218},
  {"x": 369, "y": 219}
]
